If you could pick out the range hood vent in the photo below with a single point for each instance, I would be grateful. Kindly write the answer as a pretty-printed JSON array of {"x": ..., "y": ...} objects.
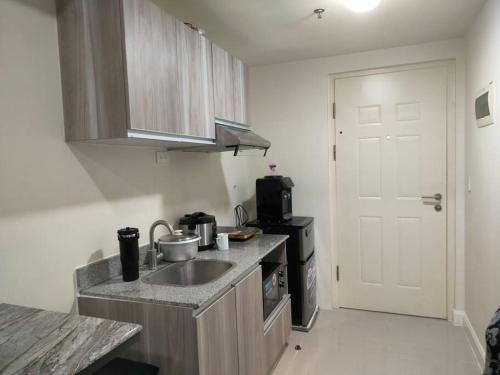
[{"x": 233, "y": 138}]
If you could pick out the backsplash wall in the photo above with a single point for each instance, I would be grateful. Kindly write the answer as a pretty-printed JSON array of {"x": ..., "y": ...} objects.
[{"x": 61, "y": 204}]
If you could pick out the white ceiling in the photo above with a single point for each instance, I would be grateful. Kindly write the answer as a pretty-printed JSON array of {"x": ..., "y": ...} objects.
[{"x": 268, "y": 31}]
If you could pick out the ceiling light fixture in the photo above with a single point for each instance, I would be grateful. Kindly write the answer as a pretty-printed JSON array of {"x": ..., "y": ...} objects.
[
  {"x": 361, "y": 6},
  {"x": 319, "y": 12}
]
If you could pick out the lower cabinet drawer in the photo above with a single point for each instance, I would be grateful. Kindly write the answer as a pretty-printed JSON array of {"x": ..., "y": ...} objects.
[{"x": 276, "y": 337}]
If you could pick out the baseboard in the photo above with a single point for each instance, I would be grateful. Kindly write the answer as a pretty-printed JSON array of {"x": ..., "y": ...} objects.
[{"x": 474, "y": 341}]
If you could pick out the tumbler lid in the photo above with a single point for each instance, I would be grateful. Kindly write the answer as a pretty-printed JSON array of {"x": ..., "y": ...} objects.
[{"x": 128, "y": 233}]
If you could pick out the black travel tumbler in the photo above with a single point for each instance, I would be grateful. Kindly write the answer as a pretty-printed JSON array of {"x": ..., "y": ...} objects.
[{"x": 129, "y": 253}]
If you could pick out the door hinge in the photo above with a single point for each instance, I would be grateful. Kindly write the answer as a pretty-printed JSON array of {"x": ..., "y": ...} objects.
[
  {"x": 338, "y": 273},
  {"x": 334, "y": 110},
  {"x": 334, "y": 152}
]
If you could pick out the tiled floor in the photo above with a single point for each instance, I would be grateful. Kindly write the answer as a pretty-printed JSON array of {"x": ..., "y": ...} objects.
[{"x": 350, "y": 342}]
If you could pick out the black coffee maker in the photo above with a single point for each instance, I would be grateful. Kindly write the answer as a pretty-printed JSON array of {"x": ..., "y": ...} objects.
[{"x": 274, "y": 199}]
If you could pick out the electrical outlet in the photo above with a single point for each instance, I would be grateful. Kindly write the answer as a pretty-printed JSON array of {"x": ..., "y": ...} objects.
[{"x": 161, "y": 157}]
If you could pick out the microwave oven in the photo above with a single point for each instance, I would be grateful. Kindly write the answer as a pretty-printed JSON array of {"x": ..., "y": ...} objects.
[{"x": 273, "y": 286}]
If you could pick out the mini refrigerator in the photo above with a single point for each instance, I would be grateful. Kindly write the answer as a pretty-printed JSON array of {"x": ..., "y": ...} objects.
[{"x": 301, "y": 266}]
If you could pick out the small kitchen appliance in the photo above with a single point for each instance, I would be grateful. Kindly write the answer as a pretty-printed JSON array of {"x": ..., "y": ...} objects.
[
  {"x": 274, "y": 199},
  {"x": 129, "y": 253},
  {"x": 273, "y": 286},
  {"x": 203, "y": 225}
]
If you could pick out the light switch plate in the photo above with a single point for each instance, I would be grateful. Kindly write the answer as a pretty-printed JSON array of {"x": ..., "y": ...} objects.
[{"x": 161, "y": 157}]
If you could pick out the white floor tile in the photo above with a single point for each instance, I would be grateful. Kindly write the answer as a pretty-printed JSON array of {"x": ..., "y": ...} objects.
[{"x": 346, "y": 342}]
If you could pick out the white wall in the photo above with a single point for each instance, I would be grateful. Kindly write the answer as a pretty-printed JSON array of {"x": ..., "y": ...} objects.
[
  {"x": 61, "y": 204},
  {"x": 289, "y": 105},
  {"x": 483, "y": 161}
]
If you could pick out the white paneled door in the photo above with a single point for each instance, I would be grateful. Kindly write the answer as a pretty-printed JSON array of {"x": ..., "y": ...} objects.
[{"x": 391, "y": 153}]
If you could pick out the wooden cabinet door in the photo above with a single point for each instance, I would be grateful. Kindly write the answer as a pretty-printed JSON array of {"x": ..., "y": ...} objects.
[
  {"x": 276, "y": 338},
  {"x": 230, "y": 87},
  {"x": 168, "y": 337},
  {"x": 250, "y": 321},
  {"x": 240, "y": 91},
  {"x": 152, "y": 75},
  {"x": 194, "y": 61},
  {"x": 223, "y": 83},
  {"x": 217, "y": 337},
  {"x": 92, "y": 65}
]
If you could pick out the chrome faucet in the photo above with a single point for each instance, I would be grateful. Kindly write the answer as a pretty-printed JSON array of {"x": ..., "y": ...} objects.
[{"x": 153, "y": 253}]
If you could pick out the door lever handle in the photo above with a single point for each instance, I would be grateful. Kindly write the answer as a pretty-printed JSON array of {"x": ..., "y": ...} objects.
[
  {"x": 436, "y": 197},
  {"x": 437, "y": 201}
]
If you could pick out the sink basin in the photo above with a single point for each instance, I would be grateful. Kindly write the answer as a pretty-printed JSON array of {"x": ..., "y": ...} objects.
[{"x": 192, "y": 272}]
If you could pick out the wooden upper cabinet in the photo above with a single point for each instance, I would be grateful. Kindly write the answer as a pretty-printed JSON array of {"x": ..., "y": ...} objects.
[
  {"x": 230, "y": 87},
  {"x": 240, "y": 91},
  {"x": 223, "y": 83},
  {"x": 128, "y": 65},
  {"x": 92, "y": 68},
  {"x": 194, "y": 66},
  {"x": 150, "y": 50}
]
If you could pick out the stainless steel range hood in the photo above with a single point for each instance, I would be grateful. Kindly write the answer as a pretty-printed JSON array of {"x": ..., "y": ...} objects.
[{"x": 233, "y": 138}]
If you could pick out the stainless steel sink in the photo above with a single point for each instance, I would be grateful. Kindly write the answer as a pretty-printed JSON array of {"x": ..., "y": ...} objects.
[{"x": 192, "y": 272}]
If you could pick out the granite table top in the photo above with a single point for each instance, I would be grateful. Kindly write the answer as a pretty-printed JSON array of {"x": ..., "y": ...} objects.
[
  {"x": 34, "y": 341},
  {"x": 245, "y": 256}
]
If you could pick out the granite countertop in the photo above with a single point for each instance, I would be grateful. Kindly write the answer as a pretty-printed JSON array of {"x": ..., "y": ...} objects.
[
  {"x": 245, "y": 255},
  {"x": 34, "y": 341}
]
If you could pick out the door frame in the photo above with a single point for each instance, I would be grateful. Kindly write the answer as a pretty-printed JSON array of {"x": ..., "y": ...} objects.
[{"x": 450, "y": 65}]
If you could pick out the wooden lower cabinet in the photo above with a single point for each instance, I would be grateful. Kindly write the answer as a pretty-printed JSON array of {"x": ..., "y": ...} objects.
[
  {"x": 250, "y": 322},
  {"x": 217, "y": 337},
  {"x": 168, "y": 337},
  {"x": 226, "y": 338},
  {"x": 276, "y": 337}
]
